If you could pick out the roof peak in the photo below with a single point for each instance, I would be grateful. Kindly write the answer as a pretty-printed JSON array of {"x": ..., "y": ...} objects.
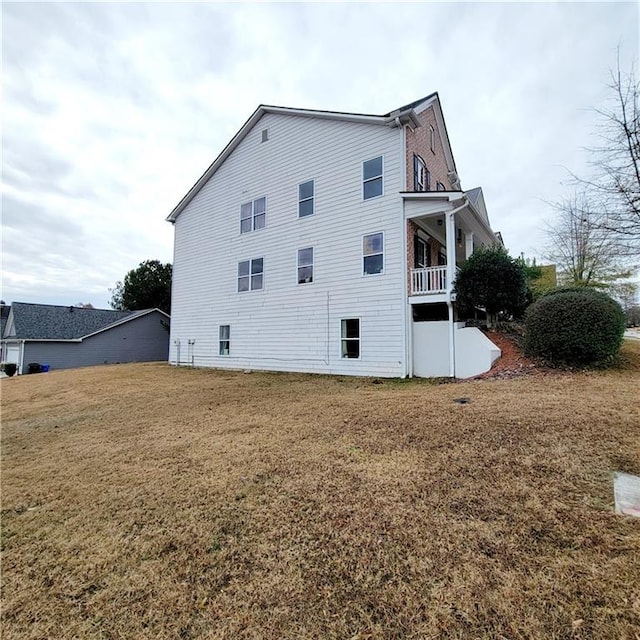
[{"x": 415, "y": 103}]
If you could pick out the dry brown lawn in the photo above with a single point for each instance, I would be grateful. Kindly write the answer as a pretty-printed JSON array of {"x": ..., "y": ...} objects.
[{"x": 143, "y": 501}]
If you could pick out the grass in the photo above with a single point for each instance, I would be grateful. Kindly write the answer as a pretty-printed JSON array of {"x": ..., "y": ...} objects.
[{"x": 143, "y": 501}]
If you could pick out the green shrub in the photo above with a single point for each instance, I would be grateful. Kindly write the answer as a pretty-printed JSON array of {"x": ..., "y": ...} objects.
[
  {"x": 574, "y": 327},
  {"x": 491, "y": 279}
]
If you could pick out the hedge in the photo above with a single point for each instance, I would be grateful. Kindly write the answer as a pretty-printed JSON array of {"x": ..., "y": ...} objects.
[{"x": 574, "y": 327}]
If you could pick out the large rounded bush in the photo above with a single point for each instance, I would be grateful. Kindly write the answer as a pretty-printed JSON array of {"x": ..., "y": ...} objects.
[{"x": 574, "y": 327}]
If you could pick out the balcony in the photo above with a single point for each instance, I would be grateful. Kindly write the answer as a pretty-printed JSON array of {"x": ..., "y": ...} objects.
[{"x": 429, "y": 280}]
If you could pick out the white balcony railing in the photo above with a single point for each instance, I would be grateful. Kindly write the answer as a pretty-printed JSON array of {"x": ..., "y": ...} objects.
[{"x": 428, "y": 280}]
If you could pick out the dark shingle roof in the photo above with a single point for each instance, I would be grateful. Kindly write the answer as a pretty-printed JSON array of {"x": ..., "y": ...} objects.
[
  {"x": 4, "y": 314},
  {"x": 415, "y": 103},
  {"x": 52, "y": 322}
]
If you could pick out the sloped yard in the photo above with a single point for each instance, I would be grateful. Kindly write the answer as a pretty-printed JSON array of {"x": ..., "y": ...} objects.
[{"x": 141, "y": 501}]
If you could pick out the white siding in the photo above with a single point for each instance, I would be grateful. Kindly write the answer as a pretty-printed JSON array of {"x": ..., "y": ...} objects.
[{"x": 287, "y": 326}]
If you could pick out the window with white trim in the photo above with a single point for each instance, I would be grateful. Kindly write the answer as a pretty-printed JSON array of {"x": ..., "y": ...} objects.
[
  {"x": 440, "y": 186},
  {"x": 306, "y": 199},
  {"x": 224, "y": 339},
  {"x": 251, "y": 274},
  {"x": 253, "y": 215},
  {"x": 422, "y": 253},
  {"x": 373, "y": 254},
  {"x": 432, "y": 138},
  {"x": 350, "y": 338},
  {"x": 372, "y": 184},
  {"x": 419, "y": 174},
  {"x": 305, "y": 265}
]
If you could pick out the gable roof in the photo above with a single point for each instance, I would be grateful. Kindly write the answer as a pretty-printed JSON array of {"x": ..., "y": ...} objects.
[
  {"x": 476, "y": 198},
  {"x": 53, "y": 322},
  {"x": 402, "y": 115}
]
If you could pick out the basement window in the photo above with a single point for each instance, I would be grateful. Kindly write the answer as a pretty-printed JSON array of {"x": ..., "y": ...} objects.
[
  {"x": 224, "y": 338},
  {"x": 350, "y": 332}
]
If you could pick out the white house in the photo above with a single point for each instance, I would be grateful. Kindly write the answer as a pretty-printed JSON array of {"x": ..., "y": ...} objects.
[{"x": 327, "y": 242}]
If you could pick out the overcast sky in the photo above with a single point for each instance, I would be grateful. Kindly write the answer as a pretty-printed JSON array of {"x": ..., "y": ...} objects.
[{"x": 112, "y": 111}]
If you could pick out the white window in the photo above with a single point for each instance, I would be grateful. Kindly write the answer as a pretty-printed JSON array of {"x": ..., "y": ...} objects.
[
  {"x": 432, "y": 138},
  {"x": 250, "y": 274},
  {"x": 372, "y": 178},
  {"x": 224, "y": 338},
  {"x": 305, "y": 265},
  {"x": 350, "y": 338},
  {"x": 306, "y": 199},
  {"x": 419, "y": 174},
  {"x": 422, "y": 256},
  {"x": 253, "y": 215},
  {"x": 373, "y": 253}
]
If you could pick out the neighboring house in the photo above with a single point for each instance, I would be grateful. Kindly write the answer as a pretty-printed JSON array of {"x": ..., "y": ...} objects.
[
  {"x": 328, "y": 242},
  {"x": 4, "y": 314},
  {"x": 69, "y": 337}
]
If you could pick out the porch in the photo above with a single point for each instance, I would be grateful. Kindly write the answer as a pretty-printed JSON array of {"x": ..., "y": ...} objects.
[{"x": 443, "y": 230}]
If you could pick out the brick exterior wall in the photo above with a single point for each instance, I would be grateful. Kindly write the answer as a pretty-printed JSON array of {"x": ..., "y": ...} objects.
[{"x": 417, "y": 141}]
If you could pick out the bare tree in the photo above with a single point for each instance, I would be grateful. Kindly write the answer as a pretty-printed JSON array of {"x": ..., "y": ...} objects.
[
  {"x": 614, "y": 188},
  {"x": 585, "y": 251},
  {"x": 626, "y": 293}
]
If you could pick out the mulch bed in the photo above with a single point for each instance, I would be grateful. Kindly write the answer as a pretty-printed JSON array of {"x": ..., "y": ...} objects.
[{"x": 512, "y": 363}]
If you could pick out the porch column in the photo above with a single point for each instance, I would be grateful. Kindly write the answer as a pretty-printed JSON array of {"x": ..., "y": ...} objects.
[
  {"x": 468, "y": 248},
  {"x": 451, "y": 272},
  {"x": 450, "y": 240}
]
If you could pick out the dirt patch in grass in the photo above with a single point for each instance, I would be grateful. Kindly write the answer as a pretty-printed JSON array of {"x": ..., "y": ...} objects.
[{"x": 143, "y": 501}]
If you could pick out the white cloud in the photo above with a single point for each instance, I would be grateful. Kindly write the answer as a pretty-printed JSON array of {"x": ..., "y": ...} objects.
[{"x": 112, "y": 111}]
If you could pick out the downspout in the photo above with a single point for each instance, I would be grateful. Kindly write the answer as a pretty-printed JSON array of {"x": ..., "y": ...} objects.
[
  {"x": 451, "y": 262},
  {"x": 407, "y": 365}
]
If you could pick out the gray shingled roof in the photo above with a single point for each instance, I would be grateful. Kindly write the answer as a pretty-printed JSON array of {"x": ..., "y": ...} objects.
[
  {"x": 51, "y": 322},
  {"x": 473, "y": 194}
]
